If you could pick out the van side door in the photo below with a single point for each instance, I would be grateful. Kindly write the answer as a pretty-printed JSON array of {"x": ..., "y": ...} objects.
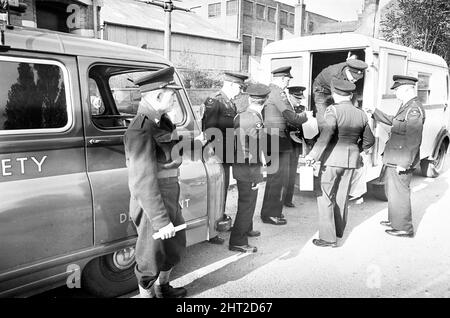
[
  {"x": 110, "y": 103},
  {"x": 46, "y": 207}
]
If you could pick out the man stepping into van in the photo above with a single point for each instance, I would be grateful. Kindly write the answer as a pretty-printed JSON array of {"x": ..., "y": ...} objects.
[
  {"x": 153, "y": 181},
  {"x": 352, "y": 70},
  {"x": 401, "y": 154},
  {"x": 338, "y": 150}
]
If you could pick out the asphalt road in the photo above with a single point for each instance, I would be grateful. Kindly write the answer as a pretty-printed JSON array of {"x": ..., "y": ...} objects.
[{"x": 367, "y": 263}]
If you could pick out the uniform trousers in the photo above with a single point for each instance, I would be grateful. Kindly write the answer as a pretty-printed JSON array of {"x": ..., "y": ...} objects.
[
  {"x": 243, "y": 222},
  {"x": 399, "y": 199},
  {"x": 226, "y": 169},
  {"x": 154, "y": 256},
  {"x": 292, "y": 173},
  {"x": 332, "y": 202},
  {"x": 275, "y": 184}
]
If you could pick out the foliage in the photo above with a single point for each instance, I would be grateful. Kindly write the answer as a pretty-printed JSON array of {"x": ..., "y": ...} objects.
[
  {"x": 193, "y": 76},
  {"x": 420, "y": 24}
]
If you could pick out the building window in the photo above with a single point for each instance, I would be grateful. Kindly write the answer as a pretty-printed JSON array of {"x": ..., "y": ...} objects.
[
  {"x": 213, "y": 10},
  {"x": 258, "y": 46},
  {"x": 271, "y": 13},
  {"x": 33, "y": 96},
  {"x": 423, "y": 88},
  {"x": 260, "y": 11},
  {"x": 248, "y": 8},
  {"x": 291, "y": 19},
  {"x": 247, "y": 45},
  {"x": 283, "y": 17},
  {"x": 232, "y": 7}
]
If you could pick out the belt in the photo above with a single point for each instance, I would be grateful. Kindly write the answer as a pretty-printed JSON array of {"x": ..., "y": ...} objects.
[{"x": 168, "y": 173}]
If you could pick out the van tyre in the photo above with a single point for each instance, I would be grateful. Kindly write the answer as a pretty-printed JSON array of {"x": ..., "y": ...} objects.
[
  {"x": 432, "y": 168},
  {"x": 103, "y": 279}
]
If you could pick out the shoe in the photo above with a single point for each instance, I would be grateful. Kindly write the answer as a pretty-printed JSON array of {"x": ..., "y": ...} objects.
[
  {"x": 386, "y": 223},
  {"x": 243, "y": 248},
  {"x": 253, "y": 233},
  {"x": 147, "y": 293},
  {"x": 290, "y": 205},
  {"x": 167, "y": 291},
  {"x": 322, "y": 243},
  {"x": 274, "y": 220},
  {"x": 400, "y": 233},
  {"x": 216, "y": 240}
]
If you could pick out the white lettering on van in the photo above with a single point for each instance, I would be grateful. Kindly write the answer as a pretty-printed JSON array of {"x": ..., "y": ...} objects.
[
  {"x": 124, "y": 217},
  {"x": 185, "y": 203},
  {"x": 5, "y": 166},
  {"x": 39, "y": 163},
  {"x": 22, "y": 164}
]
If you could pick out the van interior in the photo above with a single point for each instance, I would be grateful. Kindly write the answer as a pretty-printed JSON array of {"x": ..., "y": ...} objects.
[{"x": 321, "y": 60}]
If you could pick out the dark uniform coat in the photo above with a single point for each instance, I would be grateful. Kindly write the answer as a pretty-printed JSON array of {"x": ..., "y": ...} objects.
[
  {"x": 338, "y": 150},
  {"x": 154, "y": 189},
  {"x": 247, "y": 172},
  {"x": 402, "y": 149}
]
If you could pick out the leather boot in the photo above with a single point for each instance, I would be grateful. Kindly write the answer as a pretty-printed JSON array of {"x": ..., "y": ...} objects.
[{"x": 167, "y": 291}]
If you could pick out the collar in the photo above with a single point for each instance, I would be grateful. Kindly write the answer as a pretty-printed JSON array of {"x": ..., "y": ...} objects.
[{"x": 147, "y": 109}]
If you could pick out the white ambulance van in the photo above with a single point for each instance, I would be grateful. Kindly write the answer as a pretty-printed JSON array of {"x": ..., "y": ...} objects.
[{"x": 309, "y": 55}]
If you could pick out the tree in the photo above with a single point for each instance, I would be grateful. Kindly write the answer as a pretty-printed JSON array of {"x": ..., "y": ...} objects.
[{"x": 420, "y": 24}]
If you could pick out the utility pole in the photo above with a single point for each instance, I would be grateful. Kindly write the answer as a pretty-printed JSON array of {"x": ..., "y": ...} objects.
[{"x": 168, "y": 7}]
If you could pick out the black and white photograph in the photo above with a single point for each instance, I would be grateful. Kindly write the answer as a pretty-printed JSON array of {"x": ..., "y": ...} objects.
[{"x": 235, "y": 152}]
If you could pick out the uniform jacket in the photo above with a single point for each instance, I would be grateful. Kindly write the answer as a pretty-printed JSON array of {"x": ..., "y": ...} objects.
[
  {"x": 219, "y": 113},
  {"x": 322, "y": 83},
  {"x": 148, "y": 147},
  {"x": 278, "y": 113},
  {"x": 248, "y": 125},
  {"x": 402, "y": 148},
  {"x": 337, "y": 145}
]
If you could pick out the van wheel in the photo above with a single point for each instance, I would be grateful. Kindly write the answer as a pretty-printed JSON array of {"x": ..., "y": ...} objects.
[
  {"x": 379, "y": 191},
  {"x": 432, "y": 168},
  {"x": 111, "y": 275}
]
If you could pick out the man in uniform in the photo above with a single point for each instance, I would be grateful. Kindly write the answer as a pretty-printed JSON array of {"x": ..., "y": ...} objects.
[
  {"x": 153, "y": 182},
  {"x": 295, "y": 97},
  {"x": 219, "y": 113},
  {"x": 247, "y": 168},
  {"x": 338, "y": 150},
  {"x": 401, "y": 154},
  {"x": 351, "y": 70},
  {"x": 278, "y": 113}
]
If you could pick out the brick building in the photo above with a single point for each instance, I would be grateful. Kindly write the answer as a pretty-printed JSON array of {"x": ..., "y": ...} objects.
[
  {"x": 72, "y": 16},
  {"x": 258, "y": 22}
]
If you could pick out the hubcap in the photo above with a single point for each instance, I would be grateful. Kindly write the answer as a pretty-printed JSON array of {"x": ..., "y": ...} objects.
[{"x": 124, "y": 259}]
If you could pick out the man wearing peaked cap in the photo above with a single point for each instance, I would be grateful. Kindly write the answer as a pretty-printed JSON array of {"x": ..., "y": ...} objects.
[
  {"x": 218, "y": 116},
  {"x": 351, "y": 70},
  {"x": 338, "y": 148},
  {"x": 278, "y": 113},
  {"x": 248, "y": 127},
  {"x": 295, "y": 96},
  {"x": 153, "y": 181},
  {"x": 157, "y": 80},
  {"x": 401, "y": 154}
]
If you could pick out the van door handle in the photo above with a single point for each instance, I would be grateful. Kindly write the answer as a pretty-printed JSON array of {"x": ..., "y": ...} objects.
[
  {"x": 97, "y": 141},
  {"x": 445, "y": 106}
]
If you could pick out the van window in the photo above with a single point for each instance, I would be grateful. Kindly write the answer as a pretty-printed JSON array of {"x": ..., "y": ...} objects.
[
  {"x": 32, "y": 96},
  {"x": 115, "y": 98},
  {"x": 423, "y": 87},
  {"x": 395, "y": 65}
]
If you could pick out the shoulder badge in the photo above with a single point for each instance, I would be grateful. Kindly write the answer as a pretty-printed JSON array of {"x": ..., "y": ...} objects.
[{"x": 413, "y": 112}]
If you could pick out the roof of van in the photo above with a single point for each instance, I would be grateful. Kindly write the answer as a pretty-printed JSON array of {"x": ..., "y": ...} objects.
[
  {"x": 325, "y": 42},
  {"x": 40, "y": 40}
]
